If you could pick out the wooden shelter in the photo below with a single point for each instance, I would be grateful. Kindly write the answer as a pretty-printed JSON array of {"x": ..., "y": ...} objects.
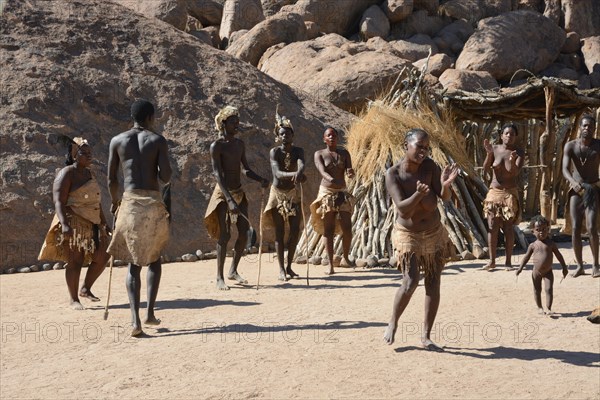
[{"x": 458, "y": 122}]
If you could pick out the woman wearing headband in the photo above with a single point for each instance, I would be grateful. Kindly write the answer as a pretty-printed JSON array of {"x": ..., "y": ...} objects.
[{"x": 78, "y": 233}]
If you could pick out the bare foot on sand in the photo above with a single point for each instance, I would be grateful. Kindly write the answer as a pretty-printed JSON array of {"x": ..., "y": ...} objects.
[
  {"x": 429, "y": 345},
  {"x": 578, "y": 272},
  {"x": 238, "y": 278},
  {"x": 509, "y": 268},
  {"x": 390, "y": 333},
  {"x": 221, "y": 284},
  {"x": 152, "y": 321},
  {"x": 86, "y": 293},
  {"x": 136, "y": 331},
  {"x": 596, "y": 272},
  {"x": 489, "y": 266},
  {"x": 330, "y": 272},
  {"x": 541, "y": 311},
  {"x": 291, "y": 273},
  {"x": 283, "y": 277},
  {"x": 550, "y": 313},
  {"x": 76, "y": 305},
  {"x": 345, "y": 263}
]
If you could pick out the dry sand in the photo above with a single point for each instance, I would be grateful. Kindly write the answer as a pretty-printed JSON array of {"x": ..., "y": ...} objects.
[{"x": 293, "y": 341}]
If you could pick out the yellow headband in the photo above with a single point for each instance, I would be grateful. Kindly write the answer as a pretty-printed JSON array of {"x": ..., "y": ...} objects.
[{"x": 226, "y": 112}]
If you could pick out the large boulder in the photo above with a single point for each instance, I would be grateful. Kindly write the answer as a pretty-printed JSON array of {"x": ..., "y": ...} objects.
[
  {"x": 591, "y": 53},
  {"x": 66, "y": 76},
  {"x": 504, "y": 44},
  {"x": 374, "y": 23},
  {"x": 437, "y": 64},
  {"x": 332, "y": 16},
  {"x": 208, "y": 12},
  {"x": 397, "y": 10},
  {"x": 281, "y": 28},
  {"x": 411, "y": 51},
  {"x": 173, "y": 12},
  {"x": 469, "y": 81},
  {"x": 333, "y": 68},
  {"x": 581, "y": 16},
  {"x": 238, "y": 15}
]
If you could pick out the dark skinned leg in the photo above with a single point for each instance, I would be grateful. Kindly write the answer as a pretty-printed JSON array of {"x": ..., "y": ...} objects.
[
  {"x": 94, "y": 270},
  {"x": 293, "y": 242},
  {"x": 279, "y": 237},
  {"x": 346, "y": 223},
  {"x": 494, "y": 227},
  {"x": 577, "y": 215},
  {"x": 549, "y": 289},
  {"x": 153, "y": 282},
  {"x": 240, "y": 243},
  {"x": 72, "y": 273},
  {"x": 403, "y": 295},
  {"x": 590, "y": 219},
  {"x": 537, "y": 290},
  {"x": 432, "y": 303},
  {"x": 134, "y": 284},
  {"x": 224, "y": 237},
  {"x": 329, "y": 228},
  {"x": 509, "y": 237}
]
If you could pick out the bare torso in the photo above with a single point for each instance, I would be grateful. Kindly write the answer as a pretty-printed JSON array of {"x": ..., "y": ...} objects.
[
  {"x": 584, "y": 159},
  {"x": 426, "y": 215},
  {"x": 286, "y": 162},
  {"x": 504, "y": 177},
  {"x": 542, "y": 256},
  {"x": 229, "y": 154},
  {"x": 334, "y": 164}
]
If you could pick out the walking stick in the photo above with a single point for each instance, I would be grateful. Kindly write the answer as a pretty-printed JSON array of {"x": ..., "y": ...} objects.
[
  {"x": 260, "y": 232},
  {"x": 305, "y": 235},
  {"x": 109, "y": 282}
]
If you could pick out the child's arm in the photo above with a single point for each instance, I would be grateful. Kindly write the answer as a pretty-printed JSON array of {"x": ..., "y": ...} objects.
[
  {"x": 525, "y": 259},
  {"x": 560, "y": 258}
]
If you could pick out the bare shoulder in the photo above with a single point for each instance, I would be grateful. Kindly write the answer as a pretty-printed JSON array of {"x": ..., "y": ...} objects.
[
  {"x": 570, "y": 144},
  {"x": 64, "y": 173},
  {"x": 343, "y": 151}
]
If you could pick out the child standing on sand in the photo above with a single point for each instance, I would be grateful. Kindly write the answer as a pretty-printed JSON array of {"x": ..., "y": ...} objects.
[{"x": 542, "y": 249}]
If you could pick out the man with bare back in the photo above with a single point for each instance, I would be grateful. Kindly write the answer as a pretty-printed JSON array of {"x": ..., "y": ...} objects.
[
  {"x": 142, "y": 220},
  {"x": 228, "y": 204},
  {"x": 583, "y": 154}
]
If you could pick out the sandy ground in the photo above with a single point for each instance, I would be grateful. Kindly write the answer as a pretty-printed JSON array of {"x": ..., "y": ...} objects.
[{"x": 293, "y": 341}]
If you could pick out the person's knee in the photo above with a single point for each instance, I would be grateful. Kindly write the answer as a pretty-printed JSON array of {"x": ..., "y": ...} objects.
[
  {"x": 224, "y": 238},
  {"x": 410, "y": 285}
]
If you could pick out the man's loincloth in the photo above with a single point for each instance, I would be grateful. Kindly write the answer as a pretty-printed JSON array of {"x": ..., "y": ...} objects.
[
  {"x": 287, "y": 204},
  {"x": 504, "y": 204},
  {"x": 325, "y": 203},
  {"x": 211, "y": 219},
  {"x": 84, "y": 218},
  {"x": 431, "y": 248},
  {"x": 141, "y": 228}
]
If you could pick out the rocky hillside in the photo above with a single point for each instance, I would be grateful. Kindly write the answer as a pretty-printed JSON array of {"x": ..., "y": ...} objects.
[
  {"x": 348, "y": 51},
  {"x": 73, "y": 68}
]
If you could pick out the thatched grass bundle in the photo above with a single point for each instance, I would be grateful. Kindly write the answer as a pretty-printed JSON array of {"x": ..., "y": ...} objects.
[{"x": 377, "y": 137}]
